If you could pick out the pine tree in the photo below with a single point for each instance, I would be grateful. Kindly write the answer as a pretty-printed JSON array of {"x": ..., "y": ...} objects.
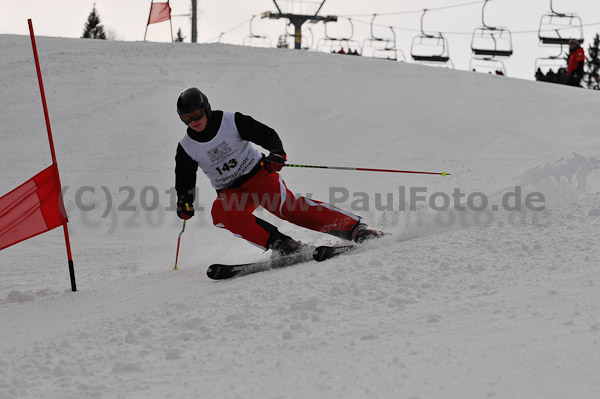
[
  {"x": 180, "y": 36},
  {"x": 93, "y": 29},
  {"x": 593, "y": 63}
]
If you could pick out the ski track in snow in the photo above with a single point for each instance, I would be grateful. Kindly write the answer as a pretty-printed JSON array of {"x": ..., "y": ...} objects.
[
  {"x": 500, "y": 306},
  {"x": 466, "y": 298}
]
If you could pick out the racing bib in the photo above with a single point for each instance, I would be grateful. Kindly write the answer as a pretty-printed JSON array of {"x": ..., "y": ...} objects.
[{"x": 225, "y": 158}]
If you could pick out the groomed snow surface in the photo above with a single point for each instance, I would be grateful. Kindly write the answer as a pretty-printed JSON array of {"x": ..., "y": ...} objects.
[{"x": 497, "y": 303}]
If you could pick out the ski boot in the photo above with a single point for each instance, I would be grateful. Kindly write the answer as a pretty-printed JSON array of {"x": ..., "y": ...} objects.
[
  {"x": 362, "y": 232},
  {"x": 288, "y": 251},
  {"x": 283, "y": 245}
]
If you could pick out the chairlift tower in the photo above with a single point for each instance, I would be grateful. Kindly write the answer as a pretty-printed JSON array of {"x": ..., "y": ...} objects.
[{"x": 298, "y": 20}]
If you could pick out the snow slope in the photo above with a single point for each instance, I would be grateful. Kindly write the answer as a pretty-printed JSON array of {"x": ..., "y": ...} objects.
[{"x": 452, "y": 304}]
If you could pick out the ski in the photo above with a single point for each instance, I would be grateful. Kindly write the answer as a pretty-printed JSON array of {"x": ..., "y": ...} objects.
[
  {"x": 325, "y": 252},
  {"x": 219, "y": 271}
]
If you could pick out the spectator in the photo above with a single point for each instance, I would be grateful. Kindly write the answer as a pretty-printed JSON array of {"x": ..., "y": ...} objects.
[
  {"x": 561, "y": 76},
  {"x": 539, "y": 75},
  {"x": 576, "y": 61}
]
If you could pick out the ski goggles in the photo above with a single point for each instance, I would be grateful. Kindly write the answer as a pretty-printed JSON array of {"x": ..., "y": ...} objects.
[{"x": 195, "y": 115}]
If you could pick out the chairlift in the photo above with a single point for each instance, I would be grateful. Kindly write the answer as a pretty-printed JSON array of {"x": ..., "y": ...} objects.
[
  {"x": 491, "y": 41},
  {"x": 382, "y": 47},
  {"x": 488, "y": 65},
  {"x": 552, "y": 22},
  {"x": 555, "y": 63},
  {"x": 312, "y": 39},
  {"x": 283, "y": 41},
  {"x": 287, "y": 39},
  {"x": 330, "y": 44},
  {"x": 430, "y": 48},
  {"x": 545, "y": 64},
  {"x": 254, "y": 40},
  {"x": 389, "y": 54}
]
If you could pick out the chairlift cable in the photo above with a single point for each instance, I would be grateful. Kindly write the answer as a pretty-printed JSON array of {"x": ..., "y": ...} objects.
[
  {"x": 407, "y": 29},
  {"x": 464, "y": 33},
  {"x": 230, "y": 30},
  {"x": 416, "y": 11}
]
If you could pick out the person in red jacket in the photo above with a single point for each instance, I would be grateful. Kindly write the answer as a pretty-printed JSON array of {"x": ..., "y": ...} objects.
[
  {"x": 576, "y": 62},
  {"x": 220, "y": 144}
]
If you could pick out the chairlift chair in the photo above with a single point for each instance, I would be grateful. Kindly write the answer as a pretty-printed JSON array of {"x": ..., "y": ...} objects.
[
  {"x": 491, "y": 41},
  {"x": 312, "y": 40},
  {"x": 430, "y": 48},
  {"x": 287, "y": 39},
  {"x": 390, "y": 52},
  {"x": 545, "y": 64},
  {"x": 283, "y": 41},
  {"x": 568, "y": 23},
  {"x": 487, "y": 65},
  {"x": 254, "y": 40},
  {"x": 380, "y": 46},
  {"x": 494, "y": 42},
  {"x": 554, "y": 62},
  {"x": 331, "y": 43}
]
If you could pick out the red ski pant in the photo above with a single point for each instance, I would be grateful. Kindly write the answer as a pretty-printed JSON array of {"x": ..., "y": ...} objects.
[{"x": 232, "y": 210}]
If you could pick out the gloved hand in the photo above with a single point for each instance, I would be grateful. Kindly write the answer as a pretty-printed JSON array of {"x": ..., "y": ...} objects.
[
  {"x": 274, "y": 162},
  {"x": 185, "y": 207}
]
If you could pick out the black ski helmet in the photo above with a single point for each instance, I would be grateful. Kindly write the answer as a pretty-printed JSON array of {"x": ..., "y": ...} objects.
[{"x": 191, "y": 99}]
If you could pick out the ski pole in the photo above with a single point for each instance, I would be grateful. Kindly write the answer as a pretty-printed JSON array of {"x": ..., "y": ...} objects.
[
  {"x": 179, "y": 242},
  {"x": 365, "y": 169}
]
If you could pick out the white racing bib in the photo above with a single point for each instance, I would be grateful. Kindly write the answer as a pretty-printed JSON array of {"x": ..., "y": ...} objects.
[{"x": 226, "y": 157}]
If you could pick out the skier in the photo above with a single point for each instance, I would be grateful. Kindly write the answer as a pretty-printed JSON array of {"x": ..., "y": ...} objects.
[
  {"x": 576, "y": 61},
  {"x": 220, "y": 144}
]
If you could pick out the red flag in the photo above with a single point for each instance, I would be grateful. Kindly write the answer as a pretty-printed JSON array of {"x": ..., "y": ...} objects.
[
  {"x": 159, "y": 12},
  {"x": 31, "y": 209}
]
